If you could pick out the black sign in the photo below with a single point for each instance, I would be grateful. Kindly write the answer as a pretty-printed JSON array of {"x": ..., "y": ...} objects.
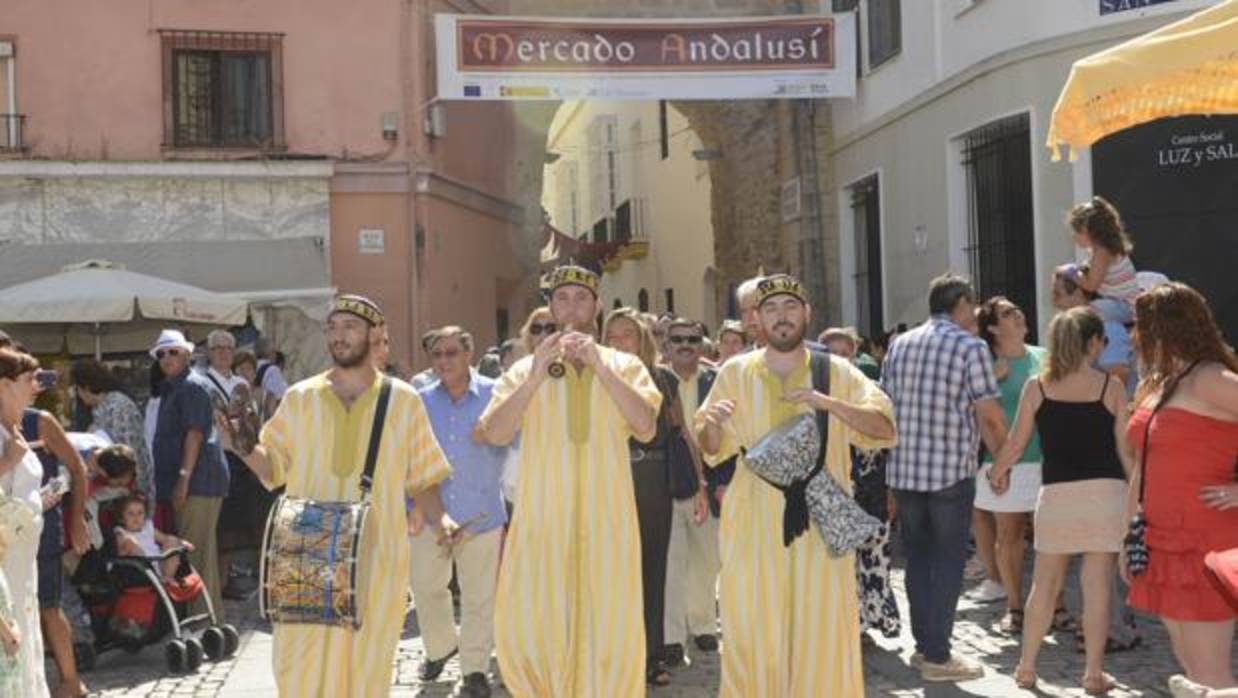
[
  {"x": 1108, "y": 7},
  {"x": 1175, "y": 182}
]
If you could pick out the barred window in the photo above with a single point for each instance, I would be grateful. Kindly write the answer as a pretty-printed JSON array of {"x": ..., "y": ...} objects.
[
  {"x": 997, "y": 158},
  {"x": 222, "y": 89}
]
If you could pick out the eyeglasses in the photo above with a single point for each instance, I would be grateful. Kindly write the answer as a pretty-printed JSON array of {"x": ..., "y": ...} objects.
[
  {"x": 167, "y": 352},
  {"x": 685, "y": 338},
  {"x": 444, "y": 353},
  {"x": 540, "y": 328}
]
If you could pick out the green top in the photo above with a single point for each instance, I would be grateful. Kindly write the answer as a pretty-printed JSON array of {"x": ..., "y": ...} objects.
[
  {"x": 1021, "y": 369},
  {"x": 868, "y": 366}
]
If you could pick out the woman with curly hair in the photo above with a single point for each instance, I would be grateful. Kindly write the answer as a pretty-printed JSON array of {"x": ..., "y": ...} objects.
[{"x": 1185, "y": 432}]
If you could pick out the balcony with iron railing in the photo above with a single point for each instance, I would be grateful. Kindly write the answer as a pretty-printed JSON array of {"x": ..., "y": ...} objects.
[
  {"x": 11, "y": 132},
  {"x": 628, "y": 232}
]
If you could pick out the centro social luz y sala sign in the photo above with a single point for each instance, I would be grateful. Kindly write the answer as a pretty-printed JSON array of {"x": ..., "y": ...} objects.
[{"x": 513, "y": 58}]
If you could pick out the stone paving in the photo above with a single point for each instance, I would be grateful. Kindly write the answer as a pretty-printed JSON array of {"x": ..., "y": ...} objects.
[{"x": 1142, "y": 672}]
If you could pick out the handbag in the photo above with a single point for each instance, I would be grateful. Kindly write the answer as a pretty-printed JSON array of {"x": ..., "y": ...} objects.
[
  {"x": 1135, "y": 544},
  {"x": 311, "y": 558},
  {"x": 681, "y": 476}
]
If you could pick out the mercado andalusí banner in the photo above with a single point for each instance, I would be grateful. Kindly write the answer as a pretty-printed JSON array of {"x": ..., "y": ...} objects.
[{"x": 505, "y": 58}]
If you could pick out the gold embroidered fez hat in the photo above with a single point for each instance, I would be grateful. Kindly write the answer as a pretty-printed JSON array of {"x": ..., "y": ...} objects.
[
  {"x": 360, "y": 306},
  {"x": 571, "y": 274},
  {"x": 779, "y": 284}
]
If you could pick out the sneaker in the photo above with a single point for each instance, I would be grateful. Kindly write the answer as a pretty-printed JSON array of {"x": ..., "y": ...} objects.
[
  {"x": 1182, "y": 687},
  {"x": 988, "y": 592},
  {"x": 953, "y": 669},
  {"x": 475, "y": 686}
]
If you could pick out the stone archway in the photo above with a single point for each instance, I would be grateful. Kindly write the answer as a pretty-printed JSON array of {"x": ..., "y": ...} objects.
[{"x": 763, "y": 144}]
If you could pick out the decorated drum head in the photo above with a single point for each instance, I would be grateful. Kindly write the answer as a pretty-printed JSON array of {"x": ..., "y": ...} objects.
[{"x": 788, "y": 452}]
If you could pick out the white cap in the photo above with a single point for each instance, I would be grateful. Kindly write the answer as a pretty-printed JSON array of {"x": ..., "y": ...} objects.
[{"x": 169, "y": 339}]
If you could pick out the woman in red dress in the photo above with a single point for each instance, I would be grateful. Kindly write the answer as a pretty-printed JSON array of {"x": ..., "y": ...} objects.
[{"x": 1190, "y": 497}]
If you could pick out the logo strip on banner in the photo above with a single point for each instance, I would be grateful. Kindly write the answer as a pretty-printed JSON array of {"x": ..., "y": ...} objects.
[{"x": 521, "y": 58}]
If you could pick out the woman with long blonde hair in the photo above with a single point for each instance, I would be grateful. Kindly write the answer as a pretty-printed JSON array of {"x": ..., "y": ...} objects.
[
  {"x": 1080, "y": 415},
  {"x": 625, "y": 330}
]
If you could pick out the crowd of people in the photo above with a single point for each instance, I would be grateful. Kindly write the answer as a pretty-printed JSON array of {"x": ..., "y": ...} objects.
[{"x": 587, "y": 490}]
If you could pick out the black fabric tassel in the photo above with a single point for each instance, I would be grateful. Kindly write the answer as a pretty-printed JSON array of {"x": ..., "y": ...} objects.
[{"x": 795, "y": 511}]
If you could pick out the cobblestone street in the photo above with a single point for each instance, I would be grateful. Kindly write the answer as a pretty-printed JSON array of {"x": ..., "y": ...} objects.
[{"x": 1139, "y": 673}]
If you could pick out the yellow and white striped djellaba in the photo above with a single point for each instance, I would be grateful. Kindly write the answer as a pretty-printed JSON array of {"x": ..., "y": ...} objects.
[
  {"x": 790, "y": 616},
  {"x": 317, "y": 449},
  {"x": 568, "y": 613}
]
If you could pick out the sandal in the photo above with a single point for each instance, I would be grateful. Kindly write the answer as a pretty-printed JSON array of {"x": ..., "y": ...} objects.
[
  {"x": 1063, "y": 622},
  {"x": 1098, "y": 685},
  {"x": 1012, "y": 622},
  {"x": 658, "y": 675},
  {"x": 1024, "y": 678}
]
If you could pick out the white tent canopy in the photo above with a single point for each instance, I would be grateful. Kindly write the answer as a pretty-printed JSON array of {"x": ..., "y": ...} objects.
[{"x": 83, "y": 303}]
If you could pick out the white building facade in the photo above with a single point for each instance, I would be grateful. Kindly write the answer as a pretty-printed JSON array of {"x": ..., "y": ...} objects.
[{"x": 939, "y": 162}]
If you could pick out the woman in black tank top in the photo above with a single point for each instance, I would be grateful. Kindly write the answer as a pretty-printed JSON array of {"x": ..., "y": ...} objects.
[{"x": 1080, "y": 415}]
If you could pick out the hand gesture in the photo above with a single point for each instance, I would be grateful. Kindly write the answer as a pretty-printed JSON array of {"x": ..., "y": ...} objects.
[
  {"x": 546, "y": 353},
  {"x": 700, "y": 506},
  {"x": 1220, "y": 497},
  {"x": 447, "y": 532},
  {"x": 10, "y": 636},
  {"x": 227, "y": 434},
  {"x": 187, "y": 545},
  {"x": 180, "y": 494},
  {"x": 78, "y": 535},
  {"x": 719, "y": 412},
  {"x": 999, "y": 480},
  {"x": 581, "y": 347}
]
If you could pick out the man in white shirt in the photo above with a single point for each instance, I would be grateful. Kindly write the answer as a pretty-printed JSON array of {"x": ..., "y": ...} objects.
[
  {"x": 220, "y": 346},
  {"x": 270, "y": 369}
]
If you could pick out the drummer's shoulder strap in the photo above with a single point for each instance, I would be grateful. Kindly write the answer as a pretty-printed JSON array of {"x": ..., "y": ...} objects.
[
  {"x": 376, "y": 435},
  {"x": 819, "y": 367}
]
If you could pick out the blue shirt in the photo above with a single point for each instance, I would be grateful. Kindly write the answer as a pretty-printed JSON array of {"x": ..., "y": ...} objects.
[
  {"x": 185, "y": 403},
  {"x": 476, "y": 469},
  {"x": 935, "y": 374},
  {"x": 1119, "y": 352}
]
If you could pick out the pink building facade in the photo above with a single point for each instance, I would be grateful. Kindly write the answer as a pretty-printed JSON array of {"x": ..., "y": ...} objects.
[{"x": 263, "y": 126}]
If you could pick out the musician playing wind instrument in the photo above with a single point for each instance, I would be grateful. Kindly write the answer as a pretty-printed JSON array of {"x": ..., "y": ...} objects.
[
  {"x": 316, "y": 445},
  {"x": 788, "y": 607},
  {"x": 568, "y": 609}
]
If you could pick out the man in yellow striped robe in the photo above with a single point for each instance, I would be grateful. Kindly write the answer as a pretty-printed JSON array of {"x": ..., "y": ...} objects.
[
  {"x": 790, "y": 619},
  {"x": 315, "y": 445},
  {"x": 568, "y": 612}
]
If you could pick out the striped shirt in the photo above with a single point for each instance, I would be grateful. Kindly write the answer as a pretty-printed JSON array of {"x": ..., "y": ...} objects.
[{"x": 935, "y": 374}]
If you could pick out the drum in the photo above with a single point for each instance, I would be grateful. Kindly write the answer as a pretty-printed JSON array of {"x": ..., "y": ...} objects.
[
  {"x": 310, "y": 562},
  {"x": 788, "y": 452}
]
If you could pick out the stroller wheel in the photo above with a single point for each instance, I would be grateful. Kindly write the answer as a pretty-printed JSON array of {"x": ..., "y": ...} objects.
[
  {"x": 175, "y": 652},
  {"x": 214, "y": 643},
  {"x": 232, "y": 639},
  {"x": 84, "y": 655},
  {"x": 193, "y": 654}
]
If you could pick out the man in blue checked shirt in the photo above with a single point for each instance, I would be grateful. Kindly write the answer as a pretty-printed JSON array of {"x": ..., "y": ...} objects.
[
  {"x": 472, "y": 496},
  {"x": 946, "y": 398}
]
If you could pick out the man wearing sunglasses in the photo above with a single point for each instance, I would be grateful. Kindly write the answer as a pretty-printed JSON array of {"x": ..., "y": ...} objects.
[
  {"x": 692, "y": 559},
  {"x": 472, "y": 497},
  {"x": 568, "y": 619},
  {"x": 191, "y": 472}
]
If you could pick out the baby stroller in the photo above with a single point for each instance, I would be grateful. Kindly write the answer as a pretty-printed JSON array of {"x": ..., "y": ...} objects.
[{"x": 132, "y": 606}]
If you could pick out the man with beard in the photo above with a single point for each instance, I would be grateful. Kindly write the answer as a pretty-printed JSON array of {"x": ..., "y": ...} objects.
[
  {"x": 788, "y": 608},
  {"x": 315, "y": 445},
  {"x": 568, "y": 607}
]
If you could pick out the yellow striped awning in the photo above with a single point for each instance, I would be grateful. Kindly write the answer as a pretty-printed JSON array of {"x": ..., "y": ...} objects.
[{"x": 1188, "y": 67}]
